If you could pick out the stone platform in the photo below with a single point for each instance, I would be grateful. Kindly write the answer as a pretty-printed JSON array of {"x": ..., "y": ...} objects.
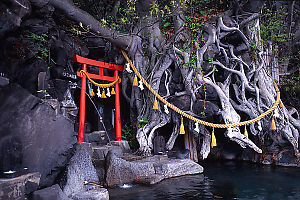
[
  {"x": 16, "y": 188},
  {"x": 115, "y": 165},
  {"x": 151, "y": 170}
]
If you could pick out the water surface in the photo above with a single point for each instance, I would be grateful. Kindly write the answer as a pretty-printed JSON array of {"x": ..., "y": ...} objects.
[{"x": 221, "y": 180}]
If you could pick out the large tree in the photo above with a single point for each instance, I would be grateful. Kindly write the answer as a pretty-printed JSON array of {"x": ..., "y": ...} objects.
[{"x": 210, "y": 51}]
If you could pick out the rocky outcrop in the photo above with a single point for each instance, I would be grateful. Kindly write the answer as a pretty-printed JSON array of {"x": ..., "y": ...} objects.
[
  {"x": 33, "y": 135},
  {"x": 120, "y": 171},
  {"x": 81, "y": 180},
  {"x": 147, "y": 170}
]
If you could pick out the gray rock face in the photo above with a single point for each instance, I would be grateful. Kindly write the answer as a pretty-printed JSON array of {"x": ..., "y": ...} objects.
[
  {"x": 100, "y": 152},
  {"x": 147, "y": 170},
  {"x": 80, "y": 170},
  {"x": 54, "y": 193},
  {"x": 181, "y": 102},
  {"x": 121, "y": 171},
  {"x": 12, "y": 18},
  {"x": 29, "y": 135},
  {"x": 179, "y": 167},
  {"x": 82, "y": 182},
  {"x": 16, "y": 188},
  {"x": 97, "y": 138},
  {"x": 123, "y": 144},
  {"x": 210, "y": 110},
  {"x": 3, "y": 81}
]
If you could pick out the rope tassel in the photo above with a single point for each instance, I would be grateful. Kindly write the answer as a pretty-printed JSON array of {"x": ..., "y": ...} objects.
[
  {"x": 273, "y": 125},
  {"x": 182, "y": 132},
  {"x": 113, "y": 91},
  {"x": 155, "y": 105},
  {"x": 92, "y": 93},
  {"x": 135, "y": 81},
  {"x": 213, "y": 139},
  {"x": 103, "y": 94},
  {"x": 246, "y": 132}
]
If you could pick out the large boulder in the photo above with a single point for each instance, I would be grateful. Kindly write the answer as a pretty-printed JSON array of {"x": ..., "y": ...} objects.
[
  {"x": 120, "y": 171},
  {"x": 148, "y": 170},
  {"x": 81, "y": 181},
  {"x": 12, "y": 13},
  {"x": 80, "y": 170},
  {"x": 33, "y": 135}
]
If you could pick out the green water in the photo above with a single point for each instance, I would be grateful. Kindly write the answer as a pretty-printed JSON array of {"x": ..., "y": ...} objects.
[{"x": 221, "y": 180}]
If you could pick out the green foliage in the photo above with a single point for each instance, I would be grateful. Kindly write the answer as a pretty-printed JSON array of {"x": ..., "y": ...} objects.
[
  {"x": 129, "y": 136},
  {"x": 273, "y": 29},
  {"x": 291, "y": 84},
  {"x": 142, "y": 122},
  {"x": 38, "y": 38},
  {"x": 40, "y": 44},
  {"x": 8, "y": 11}
]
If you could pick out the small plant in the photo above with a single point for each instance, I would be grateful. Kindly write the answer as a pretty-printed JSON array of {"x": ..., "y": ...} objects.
[
  {"x": 142, "y": 122},
  {"x": 40, "y": 44},
  {"x": 129, "y": 136}
]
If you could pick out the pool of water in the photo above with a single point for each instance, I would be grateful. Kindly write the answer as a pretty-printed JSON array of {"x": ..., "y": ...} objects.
[{"x": 221, "y": 180}]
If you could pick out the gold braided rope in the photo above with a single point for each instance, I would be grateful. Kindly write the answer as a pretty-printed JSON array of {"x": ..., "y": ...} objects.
[
  {"x": 98, "y": 84},
  {"x": 198, "y": 120}
]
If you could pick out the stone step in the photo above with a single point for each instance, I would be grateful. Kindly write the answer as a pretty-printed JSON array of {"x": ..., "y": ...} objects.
[{"x": 119, "y": 148}]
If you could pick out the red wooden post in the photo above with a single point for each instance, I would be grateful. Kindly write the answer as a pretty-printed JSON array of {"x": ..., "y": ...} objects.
[
  {"x": 117, "y": 107},
  {"x": 82, "y": 106}
]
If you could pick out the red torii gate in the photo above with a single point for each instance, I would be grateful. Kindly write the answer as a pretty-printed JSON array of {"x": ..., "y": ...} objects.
[{"x": 100, "y": 76}]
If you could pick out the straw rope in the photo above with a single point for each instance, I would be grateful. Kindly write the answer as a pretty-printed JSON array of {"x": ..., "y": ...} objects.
[
  {"x": 182, "y": 113},
  {"x": 98, "y": 84}
]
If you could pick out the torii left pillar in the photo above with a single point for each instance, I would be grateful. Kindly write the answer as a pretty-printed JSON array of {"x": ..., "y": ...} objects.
[{"x": 100, "y": 76}]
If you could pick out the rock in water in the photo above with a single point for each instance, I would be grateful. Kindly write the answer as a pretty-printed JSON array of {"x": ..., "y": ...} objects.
[
  {"x": 120, "y": 171},
  {"x": 148, "y": 170},
  {"x": 32, "y": 135}
]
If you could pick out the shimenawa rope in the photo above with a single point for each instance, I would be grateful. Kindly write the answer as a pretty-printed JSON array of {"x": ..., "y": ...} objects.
[
  {"x": 98, "y": 84},
  {"x": 182, "y": 113}
]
